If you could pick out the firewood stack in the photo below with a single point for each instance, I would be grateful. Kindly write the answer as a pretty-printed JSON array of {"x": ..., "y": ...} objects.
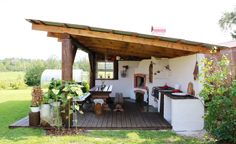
[{"x": 119, "y": 102}]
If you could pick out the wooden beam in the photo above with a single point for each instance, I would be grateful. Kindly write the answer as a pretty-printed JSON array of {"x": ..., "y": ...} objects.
[
  {"x": 92, "y": 62},
  {"x": 119, "y": 37},
  {"x": 133, "y": 51},
  {"x": 74, "y": 41},
  {"x": 123, "y": 56},
  {"x": 68, "y": 56},
  {"x": 86, "y": 43},
  {"x": 74, "y": 51},
  {"x": 136, "y": 48},
  {"x": 59, "y": 40},
  {"x": 95, "y": 42},
  {"x": 121, "y": 52},
  {"x": 79, "y": 45}
]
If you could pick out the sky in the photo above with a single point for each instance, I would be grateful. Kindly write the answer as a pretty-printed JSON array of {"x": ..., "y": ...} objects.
[{"x": 195, "y": 20}]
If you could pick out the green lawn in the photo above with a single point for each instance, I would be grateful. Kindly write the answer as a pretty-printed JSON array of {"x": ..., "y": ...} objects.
[
  {"x": 14, "y": 105},
  {"x": 11, "y": 75}
]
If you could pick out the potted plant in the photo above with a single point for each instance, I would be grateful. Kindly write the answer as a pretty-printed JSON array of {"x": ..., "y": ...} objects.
[
  {"x": 36, "y": 98},
  {"x": 60, "y": 95},
  {"x": 54, "y": 95},
  {"x": 34, "y": 116},
  {"x": 54, "y": 91},
  {"x": 100, "y": 76}
]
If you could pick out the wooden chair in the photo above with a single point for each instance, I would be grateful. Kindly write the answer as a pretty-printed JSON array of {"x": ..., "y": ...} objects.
[{"x": 119, "y": 102}]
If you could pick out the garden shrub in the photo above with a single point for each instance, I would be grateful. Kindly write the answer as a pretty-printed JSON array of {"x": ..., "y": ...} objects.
[
  {"x": 17, "y": 84},
  {"x": 4, "y": 84},
  {"x": 219, "y": 92},
  {"x": 33, "y": 74},
  {"x": 13, "y": 84}
]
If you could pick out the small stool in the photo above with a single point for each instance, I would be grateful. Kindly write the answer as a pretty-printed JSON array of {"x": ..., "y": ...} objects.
[
  {"x": 119, "y": 102},
  {"x": 98, "y": 106}
]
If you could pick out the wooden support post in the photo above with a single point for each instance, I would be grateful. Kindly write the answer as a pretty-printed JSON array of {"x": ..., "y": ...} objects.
[
  {"x": 92, "y": 62},
  {"x": 68, "y": 56}
]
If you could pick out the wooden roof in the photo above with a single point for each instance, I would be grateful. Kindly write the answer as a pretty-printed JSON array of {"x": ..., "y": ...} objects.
[{"x": 122, "y": 43}]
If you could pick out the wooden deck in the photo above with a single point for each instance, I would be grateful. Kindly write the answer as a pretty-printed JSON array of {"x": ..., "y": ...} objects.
[
  {"x": 134, "y": 117},
  {"x": 24, "y": 122}
]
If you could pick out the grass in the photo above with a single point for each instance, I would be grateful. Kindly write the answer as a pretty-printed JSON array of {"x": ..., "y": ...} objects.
[
  {"x": 12, "y": 80},
  {"x": 9, "y": 76}
]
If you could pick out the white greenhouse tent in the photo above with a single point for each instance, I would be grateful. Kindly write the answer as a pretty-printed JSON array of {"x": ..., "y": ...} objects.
[{"x": 78, "y": 75}]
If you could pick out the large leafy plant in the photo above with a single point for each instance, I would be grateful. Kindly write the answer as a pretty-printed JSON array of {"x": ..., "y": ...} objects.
[
  {"x": 218, "y": 93},
  {"x": 64, "y": 92},
  {"x": 71, "y": 90}
]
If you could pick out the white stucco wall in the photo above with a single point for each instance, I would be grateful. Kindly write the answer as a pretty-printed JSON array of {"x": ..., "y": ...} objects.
[
  {"x": 123, "y": 85},
  {"x": 182, "y": 72}
]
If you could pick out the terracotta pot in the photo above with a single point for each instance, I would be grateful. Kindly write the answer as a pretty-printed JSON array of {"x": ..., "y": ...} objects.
[{"x": 98, "y": 109}]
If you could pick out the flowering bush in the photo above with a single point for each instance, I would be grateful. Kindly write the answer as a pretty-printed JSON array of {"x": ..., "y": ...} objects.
[
  {"x": 219, "y": 93},
  {"x": 37, "y": 96}
]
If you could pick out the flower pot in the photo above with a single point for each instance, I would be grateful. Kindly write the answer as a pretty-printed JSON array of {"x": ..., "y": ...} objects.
[
  {"x": 98, "y": 109},
  {"x": 34, "y": 109},
  {"x": 55, "y": 104},
  {"x": 45, "y": 114},
  {"x": 45, "y": 110}
]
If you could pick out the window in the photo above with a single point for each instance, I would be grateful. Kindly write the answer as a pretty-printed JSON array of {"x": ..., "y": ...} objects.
[{"x": 105, "y": 70}]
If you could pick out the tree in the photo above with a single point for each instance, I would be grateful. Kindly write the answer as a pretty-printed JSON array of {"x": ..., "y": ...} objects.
[
  {"x": 82, "y": 64},
  {"x": 53, "y": 63},
  {"x": 228, "y": 22},
  {"x": 34, "y": 72}
]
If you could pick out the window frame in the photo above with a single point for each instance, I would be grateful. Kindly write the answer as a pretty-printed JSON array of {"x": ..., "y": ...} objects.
[{"x": 115, "y": 70}]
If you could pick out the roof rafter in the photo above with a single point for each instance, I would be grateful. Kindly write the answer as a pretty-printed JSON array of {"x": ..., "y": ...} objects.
[
  {"x": 129, "y": 46},
  {"x": 118, "y": 53},
  {"x": 131, "y": 52}
]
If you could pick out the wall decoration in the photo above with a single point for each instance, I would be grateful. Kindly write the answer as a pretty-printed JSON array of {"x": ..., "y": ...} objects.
[
  {"x": 195, "y": 71},
  {"x": 124, "y": 71},
  {"x": 151, "y": 72},
  {"x": 167, "y": 67}
]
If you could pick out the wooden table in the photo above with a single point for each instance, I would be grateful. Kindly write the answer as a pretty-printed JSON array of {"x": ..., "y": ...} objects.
[{"x": 101, "y": 92}]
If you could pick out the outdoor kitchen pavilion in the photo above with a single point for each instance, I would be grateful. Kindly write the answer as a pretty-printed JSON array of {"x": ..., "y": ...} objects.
[{"x": 98, "y": 42}]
